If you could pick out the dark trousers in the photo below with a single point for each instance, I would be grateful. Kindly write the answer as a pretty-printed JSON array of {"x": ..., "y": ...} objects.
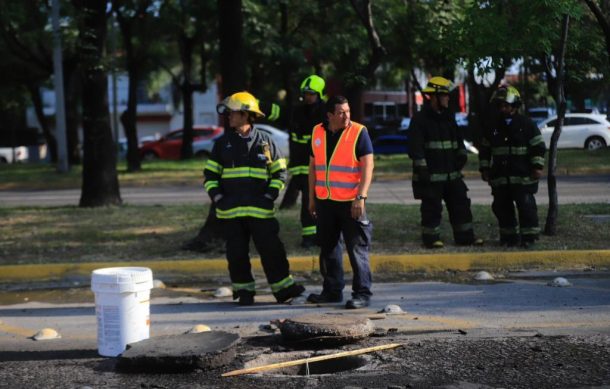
[
  {"x": 334, "y": 219},
  {"x": 503, "y": 206},
  {"x": 264, "y": 233},
  {"x": 212, "y": 227},
  {"x": 301, "y": 184},
  {"x": 290, "y": 195},
  {"x": 454, "y": 193}
]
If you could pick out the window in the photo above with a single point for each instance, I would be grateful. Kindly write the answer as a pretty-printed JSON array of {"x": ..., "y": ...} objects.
[
  {"x": 204, "y": 133},
  {"x": 579, "y": 121},
  {"x": 174, "y": 135}
]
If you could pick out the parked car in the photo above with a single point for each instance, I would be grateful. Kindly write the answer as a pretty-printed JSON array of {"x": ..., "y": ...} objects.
[
  {"x": 169, "y": 145},
  {"x": 391, "y": 144},
  {"x": 539, "y": 114},
  {"x": 461, "y": 118},
  {"x": 397, "y": 144},
  {"x": 16, "y": 154},
  {"x": 580, "y": 130},
  {"x": 279, "y": 137}
]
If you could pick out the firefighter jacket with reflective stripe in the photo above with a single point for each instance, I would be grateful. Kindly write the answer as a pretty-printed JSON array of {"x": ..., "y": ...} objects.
[
  {"x": 436, "y": 146},
  {"x": 243, "y": 176},
  {"x": 510, "y": 151},
  {"x": 337, "y": 177},
  {"x": 304, "y": 118}
]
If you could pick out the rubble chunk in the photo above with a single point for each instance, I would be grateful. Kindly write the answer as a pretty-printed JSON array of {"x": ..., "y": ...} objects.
[{"x": 223, "y": 292}]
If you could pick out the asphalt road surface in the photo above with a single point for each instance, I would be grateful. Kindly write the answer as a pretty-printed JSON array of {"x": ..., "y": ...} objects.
[
  {"x": 516, "y": 333},
  {"x": 571, "y": 189}
]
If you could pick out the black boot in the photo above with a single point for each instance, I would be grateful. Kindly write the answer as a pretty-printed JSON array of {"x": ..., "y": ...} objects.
[
  {"x": 289, "y": 292},
  {"x": 245, "y": 297}
]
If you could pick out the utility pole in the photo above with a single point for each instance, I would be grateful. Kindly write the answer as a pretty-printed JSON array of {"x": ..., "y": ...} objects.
[
  {"x": 60, "y": 109},
  {"x": 115, "y": 97}
]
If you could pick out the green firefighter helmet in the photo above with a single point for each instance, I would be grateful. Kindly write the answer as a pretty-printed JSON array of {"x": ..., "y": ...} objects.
[
  {"x": 313, "y": 84},
  {"x": 507, "y": 94}
]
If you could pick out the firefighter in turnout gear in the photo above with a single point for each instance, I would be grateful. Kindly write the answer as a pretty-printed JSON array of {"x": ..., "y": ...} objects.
[
  {"x": 511, "y": 160},
  {"x": 243, "y": 177},
  {"x": 304, "y": 118},
  {"x": 437, "y": 150},
  {"x": 210, "y": 236}
]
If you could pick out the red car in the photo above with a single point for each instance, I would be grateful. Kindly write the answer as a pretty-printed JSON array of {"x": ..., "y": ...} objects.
[{"x": 169, "y": 145}]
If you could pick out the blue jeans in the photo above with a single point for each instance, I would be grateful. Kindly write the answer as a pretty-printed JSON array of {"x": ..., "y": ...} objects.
[{"x": 334, "y": 219}]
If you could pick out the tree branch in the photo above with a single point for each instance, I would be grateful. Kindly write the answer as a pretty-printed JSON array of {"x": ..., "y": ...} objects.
[{"x": 602, "y": 21}]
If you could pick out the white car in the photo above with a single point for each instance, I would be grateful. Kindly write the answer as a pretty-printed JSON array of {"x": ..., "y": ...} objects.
[
  {"x": 10, "y": 154},
  {"x": 580, "y": 130},
  {"x": 279, "y": 137}
]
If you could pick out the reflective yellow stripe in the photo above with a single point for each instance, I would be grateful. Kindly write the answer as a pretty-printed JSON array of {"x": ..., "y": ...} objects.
[
  {"x": 244, "y": 172},
  {"x": 441, "y": 145},
  {"x": 275, "y": 183},
  {"x": 537, "y": 161},
  {"x": 515, "y": 150},
  {"x": 260, "y": 213},
  {"x": 483, "y": 163},
  {"x": 530, "y": 231},
  {"x": 213, "y": 166},
  {"x": 419, "y": 162},
  {"x": 536, "y": 140},
  {"x": 249, "y": 286},
  {"x": 303, "y": 139},
  {"x": 275, "y": 112},
  {"x": 462, "y": 227},
  {"x": 436, "y": 177},
  {"x": 296, "y": 170},
  {"x": 210, "y": 184},
  {"x": 430, "y": 230},
  {"x": 309, "y": 230},
  {"x": 512, "y": 180},
  {"x": 277, "y": 286},
  {"x": 277, "y": 165}
]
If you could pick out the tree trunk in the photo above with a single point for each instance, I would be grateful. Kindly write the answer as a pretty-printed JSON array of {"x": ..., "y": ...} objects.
[
  {"x": 129, "y": 117},
  {"x": 550, "y": 227},
  {"x": 72, "y": 88},
  {"x": 186, "y": 56},
  {"x": 100, "y": 183},
  {"x": 38, "y": 108},
  {"x": 232, "y": 54}
]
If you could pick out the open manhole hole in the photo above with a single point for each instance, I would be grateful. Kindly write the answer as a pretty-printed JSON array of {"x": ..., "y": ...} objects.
[{"x": 329, "y": 366}]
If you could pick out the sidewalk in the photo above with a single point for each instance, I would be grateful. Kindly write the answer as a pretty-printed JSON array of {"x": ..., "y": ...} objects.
[
  {"x": 572, "y": 189},
  {"x": 383, "y": 266}
]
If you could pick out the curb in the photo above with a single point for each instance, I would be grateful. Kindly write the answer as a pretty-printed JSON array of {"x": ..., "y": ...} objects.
[{"x": 185, "y": 270}]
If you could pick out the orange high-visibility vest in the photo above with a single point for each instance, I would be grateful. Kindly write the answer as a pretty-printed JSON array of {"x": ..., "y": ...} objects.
[{"x": 337, "y": 178}]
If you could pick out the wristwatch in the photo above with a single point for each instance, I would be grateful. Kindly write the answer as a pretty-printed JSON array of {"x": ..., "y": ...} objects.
[{"x": 361, "y": 197}]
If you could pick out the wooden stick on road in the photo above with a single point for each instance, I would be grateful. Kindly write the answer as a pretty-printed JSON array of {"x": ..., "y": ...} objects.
[{"x": 279, "y": 365}]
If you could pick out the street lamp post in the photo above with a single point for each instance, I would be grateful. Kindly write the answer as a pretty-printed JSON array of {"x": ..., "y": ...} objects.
[{"x": 60, "y": 109}]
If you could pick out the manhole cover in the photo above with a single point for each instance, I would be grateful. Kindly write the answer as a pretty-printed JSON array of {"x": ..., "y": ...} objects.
[
  {"x": 326, "y": 328},
  {"x": 180, "y": 353}
]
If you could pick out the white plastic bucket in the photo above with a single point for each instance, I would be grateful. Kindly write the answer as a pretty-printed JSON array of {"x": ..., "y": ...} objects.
[{"x": 122, "y": 307}]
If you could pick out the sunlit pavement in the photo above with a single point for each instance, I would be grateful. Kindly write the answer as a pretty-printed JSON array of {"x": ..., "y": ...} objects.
[{"x": 513, "y": 306}]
